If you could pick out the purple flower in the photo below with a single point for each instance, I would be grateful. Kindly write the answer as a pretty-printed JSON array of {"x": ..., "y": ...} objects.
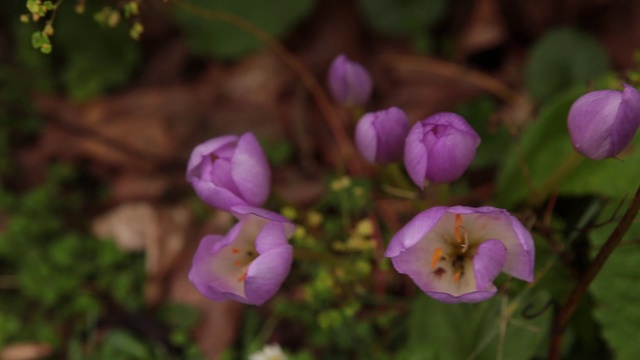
[
  {"x": 249, "y": 263},
  {"x": 439, "y": 148},
  {"x": 454, "y": 254},
  {"x": 602, "y": 123},
  {"x": 349, "y": 82},
  {"x": 229, "y": 170},
  {"x": 380, "y": 135}
]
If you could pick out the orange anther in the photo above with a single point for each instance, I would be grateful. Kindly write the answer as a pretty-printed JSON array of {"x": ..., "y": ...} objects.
[
  {"x": 437, "y": 253},
  {"x": 456, "y": 229},
  {"x": 242, "y": 277},
  {"x": 235, "y": 250},
  {"x": 237, "y": 263},
  {"x": 456, "y": 276}
]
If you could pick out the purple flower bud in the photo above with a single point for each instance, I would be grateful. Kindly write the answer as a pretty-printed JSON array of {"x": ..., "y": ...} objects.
[
  {"x": 602, "y": 123},
  {"x": 454, "y": 254},
  {"x": 249, "y": 263},
  {"x": 229, "y": 170},
  {"x": 380, "y": 135},
  {"x": 439, "y": 148},
  {"x": 349, "y": 82}
]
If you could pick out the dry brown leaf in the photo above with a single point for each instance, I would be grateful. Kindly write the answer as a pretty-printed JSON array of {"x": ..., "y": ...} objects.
[
  {"x": 160, "y": 231},
  {"x": 25, "y": 351}
]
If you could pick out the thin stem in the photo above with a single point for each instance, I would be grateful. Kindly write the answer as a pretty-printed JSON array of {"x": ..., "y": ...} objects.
[
  {"x": 322, "y": 100},
  {"x": 455, "y": 71},
  {"x": 553, "y": 181},
  {"x": 564, "y": 314}
]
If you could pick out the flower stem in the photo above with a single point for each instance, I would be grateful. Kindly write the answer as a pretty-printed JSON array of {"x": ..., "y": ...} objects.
[
  {"x": 325, "y": 105},
  {"x": 564, "y": 314}
]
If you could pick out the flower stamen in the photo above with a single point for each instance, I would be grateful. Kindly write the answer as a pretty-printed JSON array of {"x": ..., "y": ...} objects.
[
  {"x": 456, "y": 229},
  {"x": 456, "y": 276},
  {"x": 242, "y": 277},
  {"x": 437, "y": 253}
]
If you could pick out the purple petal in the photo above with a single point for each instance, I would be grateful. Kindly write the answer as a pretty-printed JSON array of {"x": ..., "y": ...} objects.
[
  {"x": 590, "y": 122},
  {"x": 494, "y": 223},
  {"x": 250, "y": 170},
  {"x": 415, "y": 155},
  {"x": 215, "y": 196},
  {"x": 205, "y": 150},
  {"x": 414, "y": 230},
  {"x": 349, "y": 82},
  {"x": 273, "y": 235},
  {"x": 203, "y": 277},
  {"x": 360, "y": 82},
  {"x": 392, "y": 127},
  {"x": 471, "y": 297},
  {"x": 627, "y": 120},
  {"x": 366, "y": 137},
  {"x": 488, "y": 261},
  {"x": 267, "y": 273},
  {"x": 521, "y": 260}
]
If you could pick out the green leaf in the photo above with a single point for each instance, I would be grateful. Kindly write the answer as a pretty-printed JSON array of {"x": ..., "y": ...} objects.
[
  {"x": 402, "y": 18},
  {"x": 561, "y": 59},
  {"x": 617, "y": 295},
  {"x": 215, "y": 37},
  {"x": 494, "y": 137},
  {"x": 97, "y": 58},
  {"x": 465, "y": 331},
  {"x": 552, "y": 163}
]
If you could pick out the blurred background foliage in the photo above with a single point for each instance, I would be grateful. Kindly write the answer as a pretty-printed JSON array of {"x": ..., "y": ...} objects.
[{"x": 96, "y": 71}]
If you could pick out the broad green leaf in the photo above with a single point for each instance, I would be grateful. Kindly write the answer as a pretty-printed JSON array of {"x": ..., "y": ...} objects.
[
  {"x": 552, "y": 164},
  {"x": 561, "y": 59},
  {"x": 494, "y": 137},
  {"x": 617, "y": 295},
  {"x": 97, "y": 58},
  {"x": 471, "y": 331},
  {"x": 402, "y": 18},
  {"x": 215, "y": 37}
]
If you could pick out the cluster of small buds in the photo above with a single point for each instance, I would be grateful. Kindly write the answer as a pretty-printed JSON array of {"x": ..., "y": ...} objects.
[{"x": 250, "y": 262}]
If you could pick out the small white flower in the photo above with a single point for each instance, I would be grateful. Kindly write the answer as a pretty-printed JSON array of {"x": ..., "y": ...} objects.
[{"x": 269, "y": 352}]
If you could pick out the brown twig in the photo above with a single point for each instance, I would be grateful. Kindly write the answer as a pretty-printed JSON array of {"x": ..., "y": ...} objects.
[
  {"x": 564, "y": 314},
  {"x": 455, "y": 71},
  {"x": 321, "y": 99}
]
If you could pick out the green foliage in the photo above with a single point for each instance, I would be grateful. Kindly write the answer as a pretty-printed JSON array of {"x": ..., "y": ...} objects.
[
  {"x": 98, "y": 58},
  {"x": 494, "y": 136},
  {"x": 464, "y": 331},
  {"x": 561, "y": 59},
  {"x": 617, "y": 295},
  {"x": 217, "y": 37},
  {"x": 403, "y": 18},
  {"x": 546, "y": 152},
  {"x": 411, "y": 18}
]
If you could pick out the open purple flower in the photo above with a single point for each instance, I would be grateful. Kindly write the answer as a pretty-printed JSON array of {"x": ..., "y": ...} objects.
[
  {"x": 454, "y": 254},
  {"x": 380, "y": 135},
  {"x": 602, "y": 123},
  {"x": 229, "y": 170},
  {"x": 349, "y": 82},
  {"x": 249, "y": 263},
  {"x": 439, "y": 148}
]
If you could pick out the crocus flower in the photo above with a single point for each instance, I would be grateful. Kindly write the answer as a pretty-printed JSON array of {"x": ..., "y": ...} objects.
[
  {"x": 380, "y": 135},
  {"x": 454, "y": 254},
  {"x": 249, "y": 263},
  {"x": 349, "y": 82},
  {"x": 229, "y": 170},
  {"x": 602, "y": 123},
  {"x": 439, "y": 148}
]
